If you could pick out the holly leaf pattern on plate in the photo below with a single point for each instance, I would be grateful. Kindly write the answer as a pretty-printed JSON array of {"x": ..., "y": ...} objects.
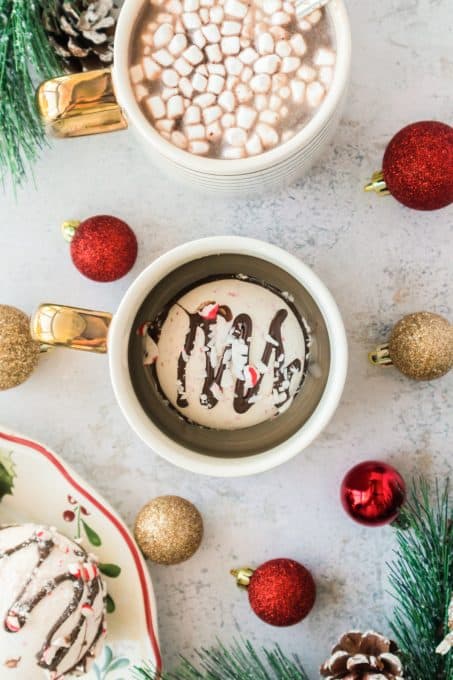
[
  {"x": 7, "y": 474},
  {"x": 111, "y": 570},
  {"x": 92, "y": 536}
]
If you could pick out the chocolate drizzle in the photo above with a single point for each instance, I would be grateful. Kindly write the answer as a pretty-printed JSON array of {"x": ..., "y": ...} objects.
[{"x": 22, "y": 607}]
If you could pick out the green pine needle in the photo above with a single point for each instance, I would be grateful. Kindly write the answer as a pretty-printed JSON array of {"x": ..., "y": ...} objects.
[
  {"x": 240, "y": 662},
  {"x": 26, "y": 57},
  {"x": 421, "y": 576}
]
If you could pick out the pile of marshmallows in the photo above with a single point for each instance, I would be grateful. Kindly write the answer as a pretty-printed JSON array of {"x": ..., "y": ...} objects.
[{"x": 221, "y": 78}]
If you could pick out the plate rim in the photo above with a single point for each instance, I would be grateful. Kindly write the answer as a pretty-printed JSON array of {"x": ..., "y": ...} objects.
[{"x": 77, "y": 482}]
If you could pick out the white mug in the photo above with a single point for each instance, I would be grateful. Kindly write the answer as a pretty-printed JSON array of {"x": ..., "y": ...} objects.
[
  {"x": 201, "y": 450},
  {"x": 100, "y": 101}
]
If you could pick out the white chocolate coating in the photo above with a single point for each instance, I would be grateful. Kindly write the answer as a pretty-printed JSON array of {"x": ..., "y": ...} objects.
[{"x": 216, "y": 344}]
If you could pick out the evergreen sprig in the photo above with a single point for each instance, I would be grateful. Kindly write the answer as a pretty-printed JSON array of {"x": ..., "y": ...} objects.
[
  {"x": 240, "y": 662},
  {"x": 421, "y": 576},
  {"x": 26, "y": 56}
]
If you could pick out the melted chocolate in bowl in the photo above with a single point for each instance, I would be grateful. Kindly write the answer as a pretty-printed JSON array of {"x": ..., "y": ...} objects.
[{"x": 235, "y": 349}]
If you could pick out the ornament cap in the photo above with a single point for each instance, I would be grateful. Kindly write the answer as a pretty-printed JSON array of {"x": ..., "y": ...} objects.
[
  {"x": 380, "y": 356},
  {"x": 242, "y": 576},
  {"x": 377, "y": 184},
  {"x": 69, "y": 228}
]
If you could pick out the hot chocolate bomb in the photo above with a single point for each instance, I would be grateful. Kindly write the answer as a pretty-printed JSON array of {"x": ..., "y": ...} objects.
[
  {"x": 229, "y": 354},
  {"x": 51, "y": 605}
]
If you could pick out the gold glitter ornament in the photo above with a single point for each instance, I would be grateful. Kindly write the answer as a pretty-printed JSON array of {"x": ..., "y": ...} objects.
[
  {"x": 168, "y": 530},
  {"x": 18, "y": 352},
  {"x": 420, "y": 346}
]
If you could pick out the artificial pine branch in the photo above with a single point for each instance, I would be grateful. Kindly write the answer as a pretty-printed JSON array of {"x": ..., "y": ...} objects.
[
  {"x": 240, "y": 662},
  {"x": 25, "y": 56},
  {"x": 422, "y": 580}
]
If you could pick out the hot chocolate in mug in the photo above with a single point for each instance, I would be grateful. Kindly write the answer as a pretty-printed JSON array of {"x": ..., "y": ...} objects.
[
  {"x": 227, "y": 355},
  {"x": 241, "y": 123}
]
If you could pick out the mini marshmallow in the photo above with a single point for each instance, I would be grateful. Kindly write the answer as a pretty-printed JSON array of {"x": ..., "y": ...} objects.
[
  {"x": 324, "y": 57},
  {"x": 213, "y": 53},
  {"x": 227, "y": 101},
  {"x": 233, "y": 153},
  {"x": 290, "y": 64},
  {"x": 179, "y": 139},
  {"x": 280, "y": 19},
  {"x": 219, "y": 69},
  {"x": 246, "y": 117},
  {"x": 216, "y": 15},
  {"x": 314, "y": 17},
  {"x": 265, "y": 44},
  {"x": 298, "y": 90},
  {"x": 193, "y": 55},
  {"x": 233, "y": 66},
  {"x": 156, "y": 107},
  {"x": 275, "y": 102},
  {"x": 173, "y": 7},
  {"x": 182, "y": 66},
  {"x": 211, "y": 33},
  {"x": 228, "y": 120},
  {"x": 151, "y": 69},
  {"x": 140, "y": 92},
  {"x": 287, "y": 135},
  {"x": 260, "y": 102},
  {"x": 165, "y": 125},
  {"x": 199, "y": 82},
  {"x": 163, "y": 57},
  {"x": 204, "y": 100},
  {"x": 191, "y": 21},
  {"x": 204, "y": 15},
  {"x": 230, "y": 45},
  {"x": 175, "y": 106},
  {"x": 261, "y": 83},
  {"x": 147, "y": 39},
  {"x": 284, "y": 111},
  {"x": 215, "y": 83},
  {"x": 170, "y": 78},
  {"x": 207, "y": 3},
  {"x": 200, "y": 148},
  {"x": 283, "y": 48},
  {"x": 136, "y": 73},
  {"x": 279, "y": 80},
  {"x": 234, "y": 8},
  {"x": 230, "y": 28},
  {"x": 268, "y": 136},
  {"x": 186, "y": 87},
  {"x": 163, "y": 35},
  {"x": 272, "y": 6},
  {"x": 306, "y": 73},
  {"x": 253, "y": 145},
  {"x": 298, "y": 44},
  {"x": 247, "y": 74},
  {"x": 203, "y": 69},
  {"x": 168, "y": 92},
  {"x": 235, "y": 136},
  {"x": 198, "y": 38},
  {"x": 315, "y": 94},
  {"x": 177, "y": 45},
  {"x": 195, "y": 132},
  {"x": 243, "y": 92},
  {"x": 284, "y": 92},
  {"x": 192, "y": 115},
  {"x": 214, "y": 131},
  {"x": 231, "y": 82},
  {"x": 248, "y": 56},
  {"x": 211, "y": 114},
  {"x": 279, "y": 33},
  {"x": 268, "y": 64},
  {"x": 325, "y": 75},
  {"x": 269, "y": 117},
  {"x": 191, "y": 5},
  {"x": 304, "y": 25}
]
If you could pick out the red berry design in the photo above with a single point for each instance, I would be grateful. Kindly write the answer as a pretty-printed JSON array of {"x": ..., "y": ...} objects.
[{"x": 68, "y": 516}]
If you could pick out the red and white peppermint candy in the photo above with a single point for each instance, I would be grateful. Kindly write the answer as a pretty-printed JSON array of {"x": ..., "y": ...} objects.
[
  {"x": 210, "y": 311},
  {"x": 12, "y": 623},
  {"x": 42, "y": 535},
  {"x": 47, "y": 655},
  {"x": 251, "y": 376},
  {"x": 87, "y": 609},
  {"x": 87, "y": 571}
]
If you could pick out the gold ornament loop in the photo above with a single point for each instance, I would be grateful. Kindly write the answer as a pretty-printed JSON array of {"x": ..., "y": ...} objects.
[
  {"x": 380, "y": 356},
  {"x": 377, "y": 184}
]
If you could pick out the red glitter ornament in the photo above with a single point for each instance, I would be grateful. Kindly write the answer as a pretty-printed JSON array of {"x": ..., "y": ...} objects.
[
  {"x": 417, "y": 167},
  {"x": 281, "y": 592},
  {"x": 372, "y": 493},
  {"x": 103, "y": 248}
]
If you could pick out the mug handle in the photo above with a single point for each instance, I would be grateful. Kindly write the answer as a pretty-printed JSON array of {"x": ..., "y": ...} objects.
[
  {"x": 71, "y": 327},
  {"x": 80, "y": 104}
]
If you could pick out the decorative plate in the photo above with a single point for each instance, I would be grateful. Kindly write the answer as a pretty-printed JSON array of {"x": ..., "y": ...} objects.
[{"x": 37, "y": 486}]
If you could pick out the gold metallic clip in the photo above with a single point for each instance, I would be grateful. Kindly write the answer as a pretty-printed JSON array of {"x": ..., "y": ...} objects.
[
  {"x": 377, "y": 184},
  {"x": 380, "y": 356},
  {"x": 80, "y": 104},
  {"x": 71, "y": 327}
]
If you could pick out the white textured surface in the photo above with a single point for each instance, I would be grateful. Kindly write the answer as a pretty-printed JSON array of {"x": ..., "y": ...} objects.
[{"x": 380, "y": 261}]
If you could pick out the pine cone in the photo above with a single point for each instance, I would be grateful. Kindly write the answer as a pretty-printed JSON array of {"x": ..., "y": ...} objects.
[
  {"x": 81, "y": 31},
  {"x": 367, "y": 656}
]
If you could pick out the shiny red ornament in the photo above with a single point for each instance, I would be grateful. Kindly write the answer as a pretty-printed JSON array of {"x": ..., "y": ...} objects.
[
  {"x": 281, "y": 592},
  {"x": 418, "y": 165},
  {"x": 372, "y": 493},
  {"x": 103, "y": 247}
]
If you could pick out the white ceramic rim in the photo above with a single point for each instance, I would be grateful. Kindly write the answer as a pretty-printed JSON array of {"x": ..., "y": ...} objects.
[
  {"x": 120, "y": 330},
  {"x": 123, "y": 89}
]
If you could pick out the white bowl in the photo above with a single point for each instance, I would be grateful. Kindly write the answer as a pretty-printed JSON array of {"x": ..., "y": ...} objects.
[{"x": 279, "y": 166}]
